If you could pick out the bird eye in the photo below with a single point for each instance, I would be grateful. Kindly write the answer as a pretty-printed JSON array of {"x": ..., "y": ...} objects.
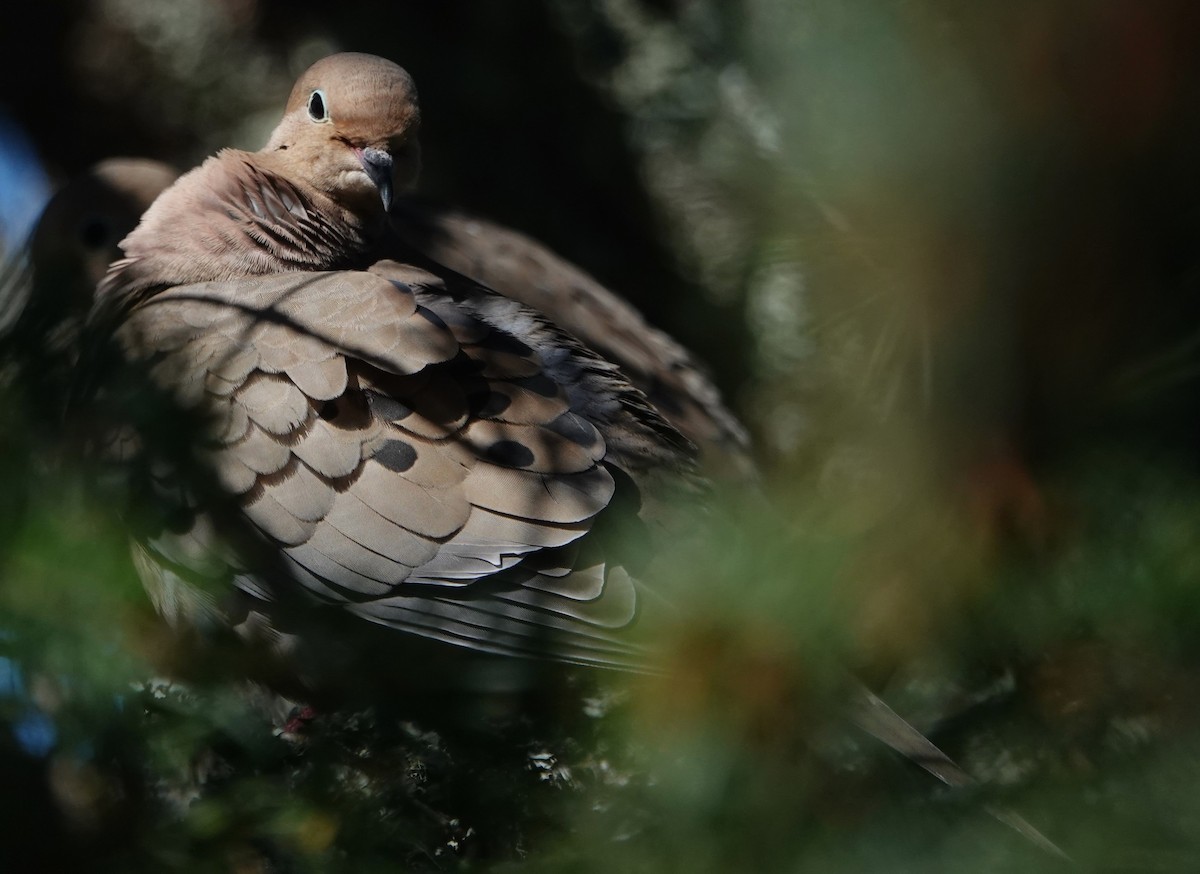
[
  {"x": 317, "y": 110},
  {"x": 94, "y": 234}
]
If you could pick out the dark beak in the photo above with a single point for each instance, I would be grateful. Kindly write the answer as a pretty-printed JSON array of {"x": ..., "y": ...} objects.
[{"x": 378, "y": 165}]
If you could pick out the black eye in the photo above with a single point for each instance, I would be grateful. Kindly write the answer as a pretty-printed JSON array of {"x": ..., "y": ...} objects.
[
  {"x": 317, "y": 110},
  {"x": 94, "y": 234}
]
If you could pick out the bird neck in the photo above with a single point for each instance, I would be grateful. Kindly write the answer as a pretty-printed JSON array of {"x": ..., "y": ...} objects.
[{"x": 234, "y": 217}]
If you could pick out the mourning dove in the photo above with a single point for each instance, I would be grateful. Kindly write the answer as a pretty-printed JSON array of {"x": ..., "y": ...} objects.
[
  {"x": 403, "y": 445},
  {"x": 416, "y": 449},
  {"x": 79, "y": 231}
]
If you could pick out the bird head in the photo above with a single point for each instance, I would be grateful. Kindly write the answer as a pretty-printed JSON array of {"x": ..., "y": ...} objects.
[
  {"x": 350, "y": 126},
  {"x": 77, "y": 236}
]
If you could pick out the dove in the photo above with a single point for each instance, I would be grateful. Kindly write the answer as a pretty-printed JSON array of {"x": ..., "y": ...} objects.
[
  {"x": 523, "y": 270},
  {"x": 77, "y": 238},
  {"x": 410, "y": 448},
  {"x": 383, "y": 444}
]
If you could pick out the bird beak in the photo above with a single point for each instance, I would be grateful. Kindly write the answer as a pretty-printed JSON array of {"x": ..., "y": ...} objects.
[{"x": 378, "y": 165}]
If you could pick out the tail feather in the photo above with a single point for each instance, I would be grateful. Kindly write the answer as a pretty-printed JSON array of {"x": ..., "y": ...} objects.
[{"x": 870, "y": 713}]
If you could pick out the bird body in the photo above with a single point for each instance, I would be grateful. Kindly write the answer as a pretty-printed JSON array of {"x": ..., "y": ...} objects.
[
  {"x": 413, "y": 448},
  {"x": 237, "y": 215}
]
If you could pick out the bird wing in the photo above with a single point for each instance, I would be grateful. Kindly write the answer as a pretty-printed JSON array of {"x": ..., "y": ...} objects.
[
  {"x": 412, "y": 461},
  {"x": 522, "y": 269}
]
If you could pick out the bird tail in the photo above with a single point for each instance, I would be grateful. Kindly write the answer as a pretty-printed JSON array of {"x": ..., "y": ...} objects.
[{"x": 870, "y": 713}]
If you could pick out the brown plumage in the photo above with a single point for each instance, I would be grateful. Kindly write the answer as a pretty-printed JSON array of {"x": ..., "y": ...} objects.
[
  {"x": 315, "y": 197},
  {"x": 414, "y": 449},
  {"x": 521, "y": 268}
]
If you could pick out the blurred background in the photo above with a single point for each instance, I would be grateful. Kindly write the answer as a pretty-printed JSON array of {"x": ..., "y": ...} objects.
[{"x": 943, "y": 260}]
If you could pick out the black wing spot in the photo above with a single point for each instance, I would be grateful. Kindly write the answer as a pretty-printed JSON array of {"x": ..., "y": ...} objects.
[
  {"x": 396, "y": 455},
  {"x": 494, "y": 403},
  {"x": 388, "y": 408},
  {"x": 509, "y": 453}
]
